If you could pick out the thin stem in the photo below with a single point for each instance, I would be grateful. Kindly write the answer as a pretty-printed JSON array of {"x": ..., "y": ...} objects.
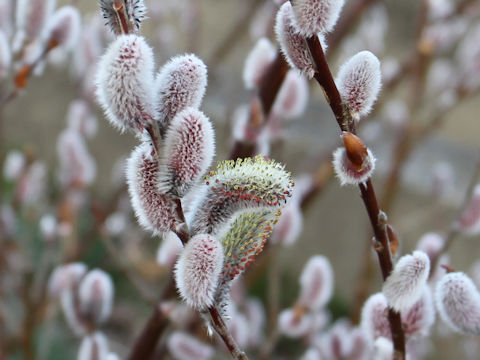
[
  {"x": 221, "y": 329},
  {"x": 346, "y": 123}
]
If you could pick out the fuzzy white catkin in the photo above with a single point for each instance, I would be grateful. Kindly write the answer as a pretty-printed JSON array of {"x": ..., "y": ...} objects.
[
  {"x": 317, "y": 16},
  {"x": 346, "y": 173},
  {"x": 316, "y": 283},
  {"x": 125, "y": 87},
  {"x": 81, "y": 119},
  {"x": 418, "y": 320},
  {"x": 405, "y": 284},
  {"x": 359, "y": 81},
  {"x": 383, "y": 349},
  {"x": 185, "y": 347},
  {"x": 257, "y": 62},
  {"x": 469, "y": 222},
  {"x": 374, "y": 319},
  {"x": 64, "y": 27},
  {"x": 155, "y": 210},
  {"x": 14, "y": 165},
  {"x": 96, "y": 295},
  {"x": 458, "y": 303},
  {"x": 181, "y": 83},
  {"x": 188, "y": 151},
  {"x": 292, "y": 43},
  {"x": 93, "y": 346},
  {"x": 65, "y": 276},
  {"x": 292, "y": 98},
  {"x": 292, "y": 325},
  {"x": 198, "y": 269}
]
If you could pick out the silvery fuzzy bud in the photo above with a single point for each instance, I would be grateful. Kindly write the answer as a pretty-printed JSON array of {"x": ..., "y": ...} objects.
[
  {"x": 236, "y": 186},
  {"x": 131, "y": 11},
  {"x": 374, "y": 317},
  {"x": 383, "y": 349},
  {"x": 181, "y": 83},
  {"x": 353, "y": 164},
  {"x": 257, "y": 63},
  {"x": 169, "y": 250},
  {"x": 359, "y": 81},
  {"x": 125, "y": 87},
  {"x": 198, "y": 269},
  {"x": 469, "y": 221},
  {"x": 63, "y": 28},
  {"x": 14, "y": 165},
  {"x": 317, "y": 16},
  {"x": 405, "y": 284},
  {"x": 292, "y": 43},
  {"x": 93, "y": 347},
  {"x": 316, "y": 283},
  {"x": 458, "y": 303},
  {"x": 420, "y": 317},
  {"x": 95, "y": 294},
  {"x": 81, "y": 119},
  {"x": 187, "y": 153},
  {"x": 65, "y": 277},
  {"x": 293, "y": 325},
  {"x": 155, "y": 211},
  {"x": 292, "y": 98},
  {"x": 185, "y": 347}
]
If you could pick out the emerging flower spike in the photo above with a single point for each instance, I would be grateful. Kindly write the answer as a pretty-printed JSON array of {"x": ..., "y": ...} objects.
[
  {"x": 188, "y": 151},
  {"x": 93, "y": 346},
  {"x": 469, "y": 222},
  {"x": 374, "y": 319},
  {"x": 95, "y": 295},
  {"x": 238, "y": 186},
  {"x": 458, "y": 303},
  {"x": 5, "y": 55},
  {"x": 359, "y": 81},
  {"x": 292, "y": 98},
  {"x": 292, "y": 43},
  {"x": 181, "y": 83},
  {"x": 354, "y": 163},
  {"x": 133, "y": 10},
  {"x": 257, "y": 63},
  {"x": 155, "y": 211},
  {"x": 186, "y": 347},
  {"x": 63, "y": 29},
  {"x": 317, "y": 16},
  {"x": 316, "y": 283},
  {"x": 198, "y": 269},
  {"x": 405, "y": 284},
  {"x": 125, "y": 83}
]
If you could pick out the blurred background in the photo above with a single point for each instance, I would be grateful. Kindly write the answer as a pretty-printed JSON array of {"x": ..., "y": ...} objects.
[{"x": 424, "y": 125}]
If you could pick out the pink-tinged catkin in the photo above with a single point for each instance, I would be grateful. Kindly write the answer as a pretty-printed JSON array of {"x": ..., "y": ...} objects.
[
  {"x": 95, "y": 294},
  {"x": 198, "y": 269},
  {"x": 135, "y": 11},
  {"x": 458, "y": 303},
  {"x": 317, "y": 16},
  {"x": 419, "y": 318},
  {"x": 169, "y": 250},
  {"x": 185, "y": 347},
  {"x": 77, "y": 166},
  {"x": 63, "y": 28},
  {"x": 257, "y": 63},
  {"x": 359, "y": 81},
  {"x": 31, "y": 17},
  {"x": 383, "y": 349},
  {"x": 374, "y": 319},
  {"x": 316, "y": 283},
  {"x": 292, "y": 43},
  {"x": 94, "y": 346},
  {"x": 125, "y": 86},
  {"x": 347, "y": 173},
  {"x": 188, "y": 151},
  {"x": 405, "y": 284},
  {"x": 5, "y": 55},
  {"x": 155, "y": 211},
  {"x": 236, "y": 186},
  {"x": 469, "y": 221},
  {"x": 181, "y": 83},
  {"x": 294, "y": 325},
  {"x": 292, "y": 98},
  {"x": 81, "y": 119},
  {"x": 65, "y": 277}
]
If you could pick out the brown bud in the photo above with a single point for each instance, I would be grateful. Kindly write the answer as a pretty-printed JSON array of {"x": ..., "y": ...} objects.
[
  {"x": 393, "y": 239},
  {"x": 448, "y": 268},
  {"x": 356, "y": 150},
  {"x": 21, "y": 77}
]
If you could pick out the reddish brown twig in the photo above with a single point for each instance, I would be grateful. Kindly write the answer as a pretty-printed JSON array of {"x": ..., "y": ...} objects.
[{"x": 346, "y": 123}]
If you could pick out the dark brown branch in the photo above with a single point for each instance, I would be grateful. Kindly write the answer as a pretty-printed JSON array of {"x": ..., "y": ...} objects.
[{"x": 377, "y": 221}]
